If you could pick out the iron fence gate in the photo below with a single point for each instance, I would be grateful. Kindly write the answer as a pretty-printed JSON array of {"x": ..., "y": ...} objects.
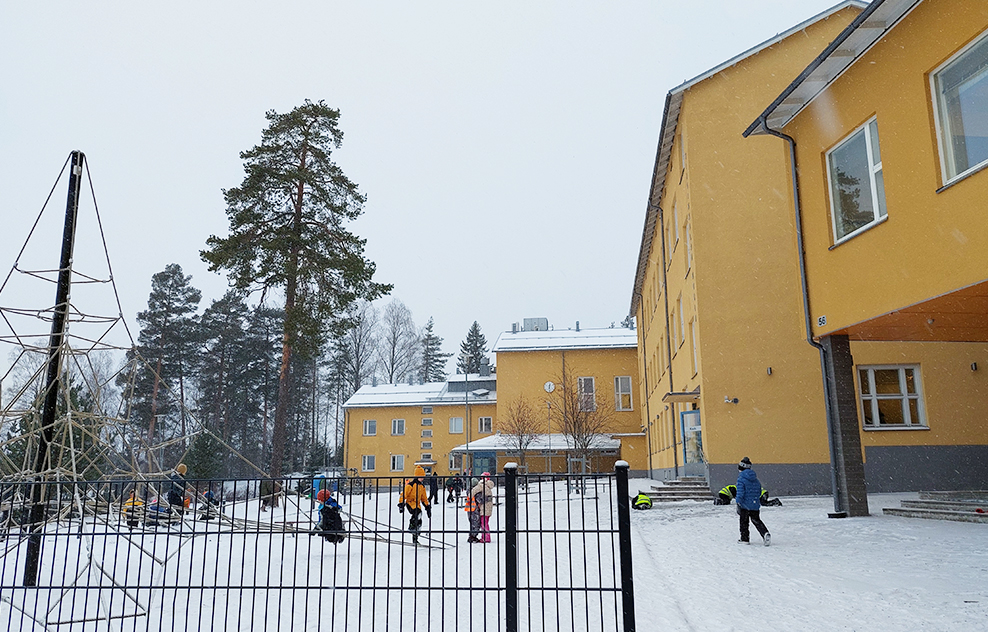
[{"x": 260, "y": 555}]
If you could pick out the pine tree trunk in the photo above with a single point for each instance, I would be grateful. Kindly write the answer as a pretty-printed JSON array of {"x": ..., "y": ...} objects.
[{"x": 284, "y": 378}]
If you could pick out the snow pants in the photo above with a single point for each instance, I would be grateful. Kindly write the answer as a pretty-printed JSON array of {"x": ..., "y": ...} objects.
[
  {"x": 485, "y": 527},
  {"x": 755, "y": 517},
  {"x": 474, "y": 518}
]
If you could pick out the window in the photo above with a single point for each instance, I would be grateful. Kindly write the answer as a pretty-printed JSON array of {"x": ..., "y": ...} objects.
[
  {"x": 891, "y": 397},
  {"x": 427, "y": 410},
  {"x": 485, "y": 424},
  {"x": 397, "y": 462},
  {"x": 426, "y": 456},
  {"x": 960, "y": 98},
  {"x": 427, "y": 421},
  {"x": 426, "y": 445},
  {"x": 693, "y": 346},
  {"x": 622, "y": 393},
  {"x": 689, "y": 243},
  {"x": 368, "y": 462},
  {"x": 456, "y": 425},
  {"x": 675, "y": 224},
  {"x": 680, "y": 331},
  {"x": 370, "y": 427},
  {"x": 455, "y": 462},
  {"x": 397, "y": 426},
  {"x": 427, "y": 433},
  {"x": 588, "y": 401},
  {"x": 857, "y": 186}
]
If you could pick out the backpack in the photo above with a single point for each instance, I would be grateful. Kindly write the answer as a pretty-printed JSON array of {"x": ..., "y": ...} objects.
[{"x": 480, "y": 498}]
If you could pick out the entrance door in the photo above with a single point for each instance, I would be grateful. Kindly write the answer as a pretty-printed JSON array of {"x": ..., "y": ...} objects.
[
  {"x": 484, "y": 462},
  {"x": 694, "y": 463}
]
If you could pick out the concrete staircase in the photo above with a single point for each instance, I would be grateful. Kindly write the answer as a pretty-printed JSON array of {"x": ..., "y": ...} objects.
[
  {"x": 684, "y": 488},
  {"x": 961, "y": 506}
]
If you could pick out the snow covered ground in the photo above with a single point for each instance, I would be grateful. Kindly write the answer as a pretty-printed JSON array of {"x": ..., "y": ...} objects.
[{"x": 872, "y": 573}]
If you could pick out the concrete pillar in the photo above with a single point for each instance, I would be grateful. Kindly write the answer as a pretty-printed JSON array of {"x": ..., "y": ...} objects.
[{"x": 845, "y": 428}]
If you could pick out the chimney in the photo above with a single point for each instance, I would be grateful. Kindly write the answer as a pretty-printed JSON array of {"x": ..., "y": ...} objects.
[
  {"x": 578, "y": 325},
  {"x": 485, "y": 367},
  {"x": 514, "y": 328}
]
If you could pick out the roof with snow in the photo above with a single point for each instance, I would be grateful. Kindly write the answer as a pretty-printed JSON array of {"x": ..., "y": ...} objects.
[
  {"x": 429, "y": 394},
  {"x": 564, "y": 339},
  {"x": 508, "y": 443}
]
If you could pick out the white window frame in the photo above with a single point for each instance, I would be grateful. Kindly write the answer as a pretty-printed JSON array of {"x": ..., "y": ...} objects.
[
  {"x": 620, "y": 392},
  {"x": 427, "y": 421},
  {"x": 397, "y": 427},
  {"x": 874, "y": 169},
  {"x": 426, "y": 445},
  {"x": 587, "y": 397},
  {"x": 368, "y": 462},
  {"x": 871, "y": 398},
  {"x": 455, "y": 462},
  {"x": 680, "y": 329},
  {"x": 694, "y": 359},
  {"x": 675, "y": 224},
  {"x": 943, "y": 143},
  {"x": 427, "y": 432},
  {"x": 427, "y": 410},
  {"x": 458, "y": 428},
  {"x": 397, "y": 462},
  {"x": 426, "y": 456},
  {"x": 485, "y": 425},
  {"x": 370, "y": 427}
]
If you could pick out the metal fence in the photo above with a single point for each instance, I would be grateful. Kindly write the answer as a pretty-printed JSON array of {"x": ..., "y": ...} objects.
[{"x": 260, "y": 555}]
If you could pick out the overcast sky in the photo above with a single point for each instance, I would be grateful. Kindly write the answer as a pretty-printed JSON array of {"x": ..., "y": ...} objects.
[{"x": 505, "y": 148}]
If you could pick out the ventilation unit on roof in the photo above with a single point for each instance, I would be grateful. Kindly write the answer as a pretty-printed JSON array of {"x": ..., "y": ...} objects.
[{"x": 536, "y": 324}]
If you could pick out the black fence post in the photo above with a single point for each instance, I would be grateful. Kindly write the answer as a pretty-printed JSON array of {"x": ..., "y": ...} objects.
[
  {"x": 624, "y": 544},
  {"x": 511, "y": 546}
]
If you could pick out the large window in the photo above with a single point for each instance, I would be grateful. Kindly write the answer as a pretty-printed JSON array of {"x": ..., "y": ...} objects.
[
  {"x": 891, "y": 397},
  {"x": 397, "y": 462},
  {"x": 857, "y": 186},
  {"x": 368, "y": 462},
  {"x": 370, "y": 427},
  {"x": 960, "y": 96},
  {"x": 622, "y": 392},
  {"x": 397, "y": 426},
  {"x": 455, "y": 462},
  {"x": 587, "y": 394},
  {"x": 456, "y": 425},
  {"x": 485, "y": 425}
]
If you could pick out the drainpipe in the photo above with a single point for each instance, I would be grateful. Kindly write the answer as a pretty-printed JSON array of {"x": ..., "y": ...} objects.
[
  {"x": 665, "y": 295},
  {"x": 839, "y": 505}
]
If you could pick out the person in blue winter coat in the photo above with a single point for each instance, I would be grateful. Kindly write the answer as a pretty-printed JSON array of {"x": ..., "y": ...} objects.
[{"x": 749, "y": 491}]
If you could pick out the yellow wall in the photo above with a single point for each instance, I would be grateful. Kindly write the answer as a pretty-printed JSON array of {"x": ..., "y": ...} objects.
[
  {"x": 741, "y": 284},
  {"x": 383, "y": 444},
  {"x": 954, "y": 396},
  {"x": 932, "y": 243},
  {"x": 525, "y": 372}
]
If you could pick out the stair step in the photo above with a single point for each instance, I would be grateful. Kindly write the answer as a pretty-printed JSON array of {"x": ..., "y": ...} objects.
[
  {"x": 954, "y": 505},
  {"x": 976, "y": 495},
  {"x": 676, "y": 498},
  {"x": 936, "y": 514}
]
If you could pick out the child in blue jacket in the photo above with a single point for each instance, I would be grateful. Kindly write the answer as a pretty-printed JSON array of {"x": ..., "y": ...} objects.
[{"x": 749, "y": 491}]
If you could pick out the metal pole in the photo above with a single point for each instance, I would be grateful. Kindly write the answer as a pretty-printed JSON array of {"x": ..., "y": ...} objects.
[
  {"x": 32, "y": 559},
  {"x": 511, "y": 546},
  {"x": 624, "y": 544}
]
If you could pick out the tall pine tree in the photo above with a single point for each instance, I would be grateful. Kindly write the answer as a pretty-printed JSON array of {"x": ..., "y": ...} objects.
[
  {"x": 472, "y": 350},
  {"x": 432, "y": 367},
  {"x": 287, "y": 231}
]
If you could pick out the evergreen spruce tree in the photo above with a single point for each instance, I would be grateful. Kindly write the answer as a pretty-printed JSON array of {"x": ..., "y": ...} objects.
[
  {"x": 167, "y": 345},
  {"x": 287, "y": 231},
  {"x": 433, "y": 364},
  {"x": 472, "y": 350}
]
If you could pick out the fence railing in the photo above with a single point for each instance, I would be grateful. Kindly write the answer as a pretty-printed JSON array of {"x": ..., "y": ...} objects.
[{"x": 547, "y": 553}]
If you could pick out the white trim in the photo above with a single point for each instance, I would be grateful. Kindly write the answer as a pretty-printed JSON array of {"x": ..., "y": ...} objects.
[
  {"x": 903, "y": 396},
  {"x": 934, "y": 94}
]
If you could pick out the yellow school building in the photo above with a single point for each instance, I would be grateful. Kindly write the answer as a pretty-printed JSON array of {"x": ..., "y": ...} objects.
[{"x": 766, "y": 328}]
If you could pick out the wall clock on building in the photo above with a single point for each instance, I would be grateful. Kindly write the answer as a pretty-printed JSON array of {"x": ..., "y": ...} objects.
[{"x": 549, "y": 387}]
